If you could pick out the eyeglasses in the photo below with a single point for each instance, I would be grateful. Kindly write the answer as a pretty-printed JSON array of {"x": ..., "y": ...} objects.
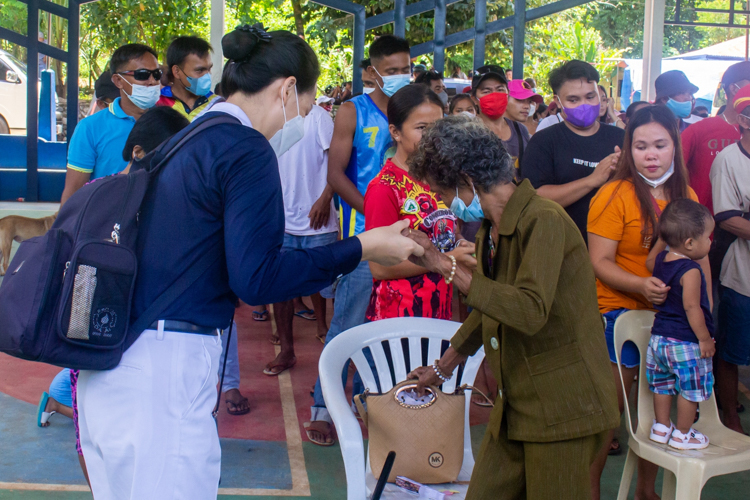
[{"x": 143, "y": 74}]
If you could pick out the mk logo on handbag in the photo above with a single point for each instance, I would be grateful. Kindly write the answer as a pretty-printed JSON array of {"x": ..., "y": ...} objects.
[{"x": 436, "y": 460}]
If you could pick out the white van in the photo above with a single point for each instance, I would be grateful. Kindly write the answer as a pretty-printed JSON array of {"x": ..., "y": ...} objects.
[{"x": 12, "y": 95}]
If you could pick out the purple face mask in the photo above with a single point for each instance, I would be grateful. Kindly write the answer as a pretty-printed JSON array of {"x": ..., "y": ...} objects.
[{"x": 582, "y": 116}]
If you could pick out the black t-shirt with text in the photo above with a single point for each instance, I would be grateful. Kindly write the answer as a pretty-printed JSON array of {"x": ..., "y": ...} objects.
[{"x": 557, "y": 155}]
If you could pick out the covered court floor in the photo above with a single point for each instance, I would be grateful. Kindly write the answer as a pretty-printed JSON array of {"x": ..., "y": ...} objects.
[{"x": 265, "y": 454}]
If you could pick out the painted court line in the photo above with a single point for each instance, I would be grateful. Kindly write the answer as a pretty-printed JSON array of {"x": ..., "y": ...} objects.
[
  {"x": 43, "y": 487},
  {"x": 300, "y": 480}
]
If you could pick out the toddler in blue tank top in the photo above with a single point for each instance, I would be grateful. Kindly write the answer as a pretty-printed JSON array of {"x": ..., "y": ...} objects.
[{"x": 679, "y": 354}]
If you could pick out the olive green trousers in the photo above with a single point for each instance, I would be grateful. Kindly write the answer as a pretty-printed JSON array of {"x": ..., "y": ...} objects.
[{"x": 516, "y": 470}]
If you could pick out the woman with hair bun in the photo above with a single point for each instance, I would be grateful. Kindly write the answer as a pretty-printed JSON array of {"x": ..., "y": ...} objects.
[{"x": 146, "y": 426}]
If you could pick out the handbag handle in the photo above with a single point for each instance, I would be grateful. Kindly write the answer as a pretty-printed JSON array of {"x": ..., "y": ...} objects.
[
  {"x": 361, "y": 407},
  {"x": 363, "y": 412},
  {"x": 473, "y": 390}
]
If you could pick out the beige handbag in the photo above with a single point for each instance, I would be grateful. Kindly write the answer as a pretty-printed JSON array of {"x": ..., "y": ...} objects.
[{"x": 427, "y": 436}]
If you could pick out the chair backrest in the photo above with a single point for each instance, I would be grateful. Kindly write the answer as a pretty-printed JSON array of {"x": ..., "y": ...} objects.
[
  {"x": 411, "y": 343},
  {"x": 635, "y": 326}
]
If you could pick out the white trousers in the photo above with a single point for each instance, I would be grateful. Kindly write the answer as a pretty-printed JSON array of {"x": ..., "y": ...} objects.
[{"x": 146, "y": 426}]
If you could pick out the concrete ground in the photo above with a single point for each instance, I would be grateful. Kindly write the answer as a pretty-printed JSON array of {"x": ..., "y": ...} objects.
[{"x": 265, "y": 454}]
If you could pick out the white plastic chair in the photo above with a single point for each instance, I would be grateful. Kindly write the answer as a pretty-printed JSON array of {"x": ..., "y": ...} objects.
[
  {"x": 350, "y": 345},
  {"x": 685, "y": 472}
]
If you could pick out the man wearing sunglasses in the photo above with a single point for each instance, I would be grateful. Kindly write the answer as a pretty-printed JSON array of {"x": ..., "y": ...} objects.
[
  {"x": 96, "y": 146},
  {"x": 189, "y": 75}
]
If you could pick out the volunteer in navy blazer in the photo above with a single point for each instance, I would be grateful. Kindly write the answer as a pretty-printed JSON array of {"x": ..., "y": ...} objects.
[{"x": 146, "y": 426}]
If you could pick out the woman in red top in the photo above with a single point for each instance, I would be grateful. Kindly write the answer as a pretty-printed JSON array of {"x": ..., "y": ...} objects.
[{"x": 408, "y": 289}]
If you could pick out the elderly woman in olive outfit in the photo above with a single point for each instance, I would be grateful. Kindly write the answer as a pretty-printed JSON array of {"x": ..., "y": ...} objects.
[{"x": 535, "y": 311}]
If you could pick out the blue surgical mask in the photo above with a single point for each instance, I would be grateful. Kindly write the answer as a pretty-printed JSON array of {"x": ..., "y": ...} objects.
[
  {"x": 368, "y": 90},
  {"x": 680, "y": 109},
  {"x": 393, "y": 83},
  {"x": 472, "y": 213},
  {"x": 199, "y": 86}
]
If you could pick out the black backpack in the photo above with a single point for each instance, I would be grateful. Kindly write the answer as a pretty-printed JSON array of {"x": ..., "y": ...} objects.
[{"x": 66, "y": 298}]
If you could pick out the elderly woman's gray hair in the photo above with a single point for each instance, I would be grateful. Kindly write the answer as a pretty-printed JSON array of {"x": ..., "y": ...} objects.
[{"x": 458, "y": 146}]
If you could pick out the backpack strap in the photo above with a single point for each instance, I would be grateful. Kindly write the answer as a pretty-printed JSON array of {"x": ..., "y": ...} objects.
[{"x": 169, "y": 147}]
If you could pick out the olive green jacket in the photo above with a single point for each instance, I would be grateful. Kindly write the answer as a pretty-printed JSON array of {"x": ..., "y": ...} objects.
[{"x": 540, "y": 326}]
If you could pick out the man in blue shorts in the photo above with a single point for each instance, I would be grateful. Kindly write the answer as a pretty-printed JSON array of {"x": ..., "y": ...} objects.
[{"x": 358, "y": 149}]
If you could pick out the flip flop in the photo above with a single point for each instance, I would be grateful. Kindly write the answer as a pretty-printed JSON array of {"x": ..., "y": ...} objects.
[
  {"x": 616, "y": 450},
  {"x": 273, "y": 369},
  {"x": 307, "y": 314},
  {"x": 237, "y": 405},
  {"x": 43, "y": 416},
  {"x": 260, "y": 315},
  {"x": 312, "y": 426}
]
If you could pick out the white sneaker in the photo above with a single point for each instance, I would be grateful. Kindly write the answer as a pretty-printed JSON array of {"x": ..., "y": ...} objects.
[
  {"x": 683, "y": 441},
  {"x": 657, "y": 427}
]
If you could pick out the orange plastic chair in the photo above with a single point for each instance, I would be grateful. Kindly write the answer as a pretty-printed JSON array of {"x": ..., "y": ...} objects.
[{"x": 685, "y": 472}]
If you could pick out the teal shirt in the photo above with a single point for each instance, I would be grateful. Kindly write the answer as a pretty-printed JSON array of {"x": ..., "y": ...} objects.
[{"x": 97, "y": 143}]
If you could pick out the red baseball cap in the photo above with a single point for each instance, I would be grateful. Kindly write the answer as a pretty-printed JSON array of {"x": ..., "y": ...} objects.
[
  {"x": 520, "y": 90},
  {"x": 742, "y": 99}
]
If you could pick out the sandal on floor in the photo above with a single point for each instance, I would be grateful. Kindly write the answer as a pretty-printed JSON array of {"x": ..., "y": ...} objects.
[
  {"x": 260, "y": 315},
  {"x": 661, "y": 428},
  {"x": 315, "y": 426},
  {"x": 307, "y": 314},
  {"x": 273, "y": 368},
  {"x": 614, "y": 448},
  {"x": 43, "y": 416},
  {"x": 684, "y": 442},
  {"x": 236, "y": 405}
]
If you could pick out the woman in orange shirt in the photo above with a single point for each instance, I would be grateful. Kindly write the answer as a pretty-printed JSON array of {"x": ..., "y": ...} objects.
[{"x": 621, "y": 222}]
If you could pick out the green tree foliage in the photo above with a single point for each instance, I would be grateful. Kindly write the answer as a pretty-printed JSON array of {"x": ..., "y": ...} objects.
[{"x": 596, "y": 32}]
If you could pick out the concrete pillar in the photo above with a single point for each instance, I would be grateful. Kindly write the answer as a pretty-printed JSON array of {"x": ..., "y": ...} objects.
[
  {"x": 653, "y": 41},
  {"x": 217, "y": 32}
]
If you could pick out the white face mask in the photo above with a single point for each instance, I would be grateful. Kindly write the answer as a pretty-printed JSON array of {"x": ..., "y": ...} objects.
[
  {"x": 143, "y": 96},
  {"x": 532, "y": 109},
  {"x": 368, "y": 90},
  {"x": 661, "y": 180},
  {"x": 469, "y": 114},
  {"x": 292, "y": 131}
]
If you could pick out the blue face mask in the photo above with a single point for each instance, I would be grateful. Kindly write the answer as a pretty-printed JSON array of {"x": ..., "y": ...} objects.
[
  {"x": 393, "y": 83},
  {"x": 472, "y": 213},
  {"x": 199, "y": 86},
  {"x": 680, "y": 109}
]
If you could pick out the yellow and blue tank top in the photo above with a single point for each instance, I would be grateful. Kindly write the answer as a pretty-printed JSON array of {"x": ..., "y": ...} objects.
[{"x": 372, "y": 141}]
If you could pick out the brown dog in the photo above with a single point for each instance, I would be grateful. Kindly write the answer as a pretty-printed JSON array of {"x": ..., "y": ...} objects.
[{"x": 15, "y": 227}]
